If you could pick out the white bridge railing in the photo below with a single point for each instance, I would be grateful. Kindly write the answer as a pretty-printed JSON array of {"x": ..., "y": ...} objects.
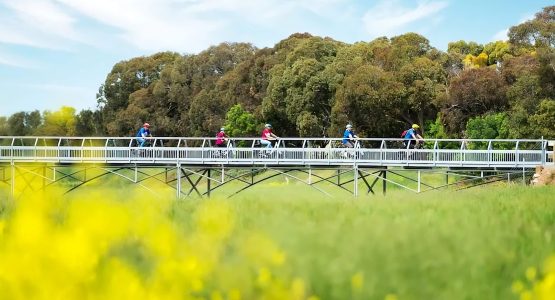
[{"x": 469, "y": 153}]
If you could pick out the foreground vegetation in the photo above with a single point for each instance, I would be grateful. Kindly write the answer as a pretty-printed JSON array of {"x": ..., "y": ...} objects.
[{"x": 474, "y": 244}]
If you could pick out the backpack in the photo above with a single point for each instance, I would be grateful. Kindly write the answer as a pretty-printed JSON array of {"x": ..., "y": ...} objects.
[{"x": 404, "y": 133}]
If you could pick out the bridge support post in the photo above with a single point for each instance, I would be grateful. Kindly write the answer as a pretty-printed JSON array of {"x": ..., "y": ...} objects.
[
  {"x": 12, "y": 181},
  {"x": 419, "y": 181},
  {"x": 223, "y": 175},
  {"x": 208, "y": 179},
  {"x": 43, "y": 178},
  {"x": 178, "y": 181},
  {"x": 355, "y": 181},
  {"x": 384, "y": 181}
]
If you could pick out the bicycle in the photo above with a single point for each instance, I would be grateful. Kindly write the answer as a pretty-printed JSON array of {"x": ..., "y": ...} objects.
[
  {"x": 356, "y": 152},
  {"x": 139, "y": 151},
  {"x": 268, "y": 152},
  {"x": 223, "y": 151}
]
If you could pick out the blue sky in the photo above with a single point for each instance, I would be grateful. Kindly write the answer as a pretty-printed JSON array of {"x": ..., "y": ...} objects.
[{"x": 58, "y": 52}]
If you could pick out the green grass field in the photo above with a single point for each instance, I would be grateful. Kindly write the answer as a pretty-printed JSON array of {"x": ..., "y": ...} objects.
[{"x": 286, "y": 243}]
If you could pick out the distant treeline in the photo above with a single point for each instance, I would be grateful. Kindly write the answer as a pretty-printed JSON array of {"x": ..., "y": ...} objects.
[{"x": 312, "y": 86}]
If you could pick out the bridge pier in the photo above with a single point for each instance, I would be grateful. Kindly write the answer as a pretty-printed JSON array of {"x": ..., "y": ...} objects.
[
  {"x": 384, "y": 182},
  {"x": 419, "y": 181},
  {"x": 12, "y": 180},
  {"x": 355, "y": 181},
  {"x": 178, "y": 181},
  {"x": 208, "y": 181}
]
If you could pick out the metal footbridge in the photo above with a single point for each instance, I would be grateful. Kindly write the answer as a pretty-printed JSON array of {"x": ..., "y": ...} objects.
[{"x": 197, "y": 161}]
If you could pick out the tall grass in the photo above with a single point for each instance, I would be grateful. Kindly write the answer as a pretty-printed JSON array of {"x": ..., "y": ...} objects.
[{"x": 276, "y": 243}]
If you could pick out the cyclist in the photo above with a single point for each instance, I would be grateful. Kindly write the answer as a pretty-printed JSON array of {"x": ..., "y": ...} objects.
[
  {"x": 268, "y": 138},
  {"x": 143, "y": 134},
  {"x": 412, "y": 135},
  {"x": 221, "y": 138},
  {"x": 349, "y": 137}
]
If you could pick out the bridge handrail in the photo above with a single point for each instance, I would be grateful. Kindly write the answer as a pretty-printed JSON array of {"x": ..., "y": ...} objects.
[
  {"x": 257, "y": 138},
  {"x": 378, "y": 152}
]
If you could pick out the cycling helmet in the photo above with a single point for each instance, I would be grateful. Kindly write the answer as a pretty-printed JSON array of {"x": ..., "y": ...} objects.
[
  {"x": 268, "y": 125},
  {"x": 349, "y": 126},
  {"x": 146, "y": 125},
  {"x": 222, "y": 129},
  {"x": 415, "y": 126}
]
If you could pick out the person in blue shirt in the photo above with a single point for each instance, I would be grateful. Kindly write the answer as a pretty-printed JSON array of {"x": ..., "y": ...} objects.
[
  {"x": 349, "y": 137},
  {"x": 143, "y": 134},
  {"x": 412, "y": 135}
]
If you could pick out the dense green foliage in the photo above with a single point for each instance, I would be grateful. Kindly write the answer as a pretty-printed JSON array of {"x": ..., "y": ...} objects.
[{"x": 311, "y": 86}]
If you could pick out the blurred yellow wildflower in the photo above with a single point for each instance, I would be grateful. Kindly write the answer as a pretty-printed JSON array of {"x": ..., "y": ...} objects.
[
  {"x": 391, "y": 297},
  {"x": 357, "y": 281},
  {"x": 98, "y": 247}
]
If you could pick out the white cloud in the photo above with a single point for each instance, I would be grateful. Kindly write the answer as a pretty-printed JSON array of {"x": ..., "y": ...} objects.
[
  {"x": 37, "y": 23},
  {"x": 501, "y": 35},
  {"x": 15, "y": 61},
  {"x": 390, "y": 17},
  {"x": 185, "y": 24},
  {"x": 153, "y": 25}
]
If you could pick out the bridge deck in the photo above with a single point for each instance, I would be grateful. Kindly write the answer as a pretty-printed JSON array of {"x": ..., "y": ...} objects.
[{"x": 288, "y": 152}]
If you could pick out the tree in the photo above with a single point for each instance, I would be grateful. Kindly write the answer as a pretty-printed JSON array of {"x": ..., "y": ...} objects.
[
  {"x": 543, "y": 121},
  {"x": 88, "y": 123},
  {"x": 497, "y": 52},
  {"x": 464, "y": 48},
  {"x": 515, "y": 67},
  {"x": 424, "y": 81},
  {"x": 126, "y": 78},
  {"x": 470, "y": 61},
  {"x": 240, "y": 123},
  {"x": 16, "y": 124},
  {"x": 189, "y": 98},
  {"x": 407, "y": 47},
  {"x": 538, "y": 32},
  {"x": 58, "y": 123},
  {"x": 4, "y": 129},
  {"x": 370, "y": 99},
  {"x": 489, "y": 126},
  {"x": 524, "y": 97},
  {"x": 300, "y": 90},
  {"x": 33, "y": 120},
  {"x": 475, "y": 92}
]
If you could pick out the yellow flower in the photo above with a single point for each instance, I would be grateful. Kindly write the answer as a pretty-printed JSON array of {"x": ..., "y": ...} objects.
[
  {"x": 264, "y": 276},
  {"x": 357, "y": 281},
  {"x": 390, "y": 297},
  {"x": 278, "y": 257},
  {"x": 215, "y": 295},
  {"x": 298, "y": 289},
  {"x": 531, "y": 274},
  {"x": 234, "y": 295},
  {"x": 517, "y": 287}
]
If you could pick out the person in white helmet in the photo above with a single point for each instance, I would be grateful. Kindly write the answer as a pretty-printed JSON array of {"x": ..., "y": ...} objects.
[
  {"x": 268, "y": 138},
  {"x": 349, "y": 137}
]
